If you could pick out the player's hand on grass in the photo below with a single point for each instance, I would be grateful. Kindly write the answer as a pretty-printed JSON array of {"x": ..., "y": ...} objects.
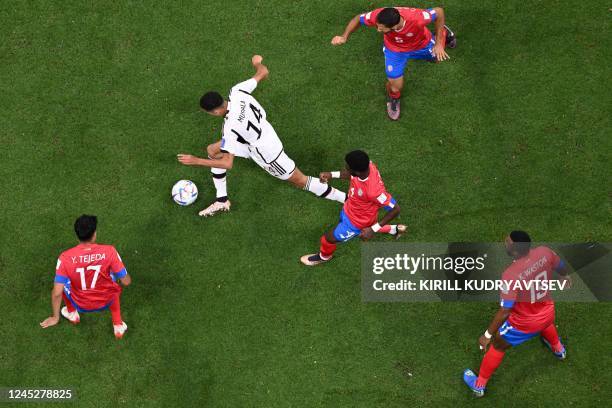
[
  {"x": 366, "y": 234},
  {"x": 440, "y": 53},
  {"x": 338, "y": 40},
  {"x": 187, "y": 159},
  {"x": 484, "y": 342},
  {"x": 256, "y": 60},
  {"x": 325, "y": 176},
  {"x": 49, "y": 321}
]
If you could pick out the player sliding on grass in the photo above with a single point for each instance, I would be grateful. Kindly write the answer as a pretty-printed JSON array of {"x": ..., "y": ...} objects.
[
  {"x": 366, "y": 196},
  {"x": 524, "y": 314},
  {"x": 247, "y": 133},
  {"x": 406, "y": 37},
  {"x": 86, "y": 278}
]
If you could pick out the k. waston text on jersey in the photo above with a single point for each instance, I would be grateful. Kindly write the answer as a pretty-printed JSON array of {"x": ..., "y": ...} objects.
[{"x": 470, "y": 284}]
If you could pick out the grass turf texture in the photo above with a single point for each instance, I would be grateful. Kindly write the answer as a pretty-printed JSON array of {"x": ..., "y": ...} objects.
[{"x": 512, "y": 132}]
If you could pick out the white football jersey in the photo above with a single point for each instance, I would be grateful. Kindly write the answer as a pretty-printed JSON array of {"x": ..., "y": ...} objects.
[{"x": 246, "y": 123}]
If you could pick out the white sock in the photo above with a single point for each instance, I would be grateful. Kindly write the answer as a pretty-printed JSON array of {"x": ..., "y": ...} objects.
[
  {"x": 323, "y": 190},
  {"x": 220, "y": 181},
  {"x": 393, "y": 229}
]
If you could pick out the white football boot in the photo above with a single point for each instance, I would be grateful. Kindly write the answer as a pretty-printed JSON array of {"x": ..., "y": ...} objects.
[
  {"x": 73, "y": 317},
  {"x": 119, "y": 330},
  {"x": 214, "y": 208}
]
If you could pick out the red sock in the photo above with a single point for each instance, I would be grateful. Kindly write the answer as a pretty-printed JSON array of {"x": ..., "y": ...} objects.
[
  {"x": 490, "y": 362},
  {"x": 68, "y": 303},
  {"x": 551, "y": 336},
  {"x": 115, "y": 309},
  {"x": 388, "y": 229},
  {"x": 394, "y": 95},
  {"x": 327, "y": 248}
]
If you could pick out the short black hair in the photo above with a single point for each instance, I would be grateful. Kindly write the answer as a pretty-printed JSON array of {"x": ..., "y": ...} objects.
[
  {"x": 357, "y": 160},
  {"x": 521, "y": 242},
  {"x": 85, "y": 227},
  {"x": 211, "y": 101},
  {"x": 389, "y": 17}
]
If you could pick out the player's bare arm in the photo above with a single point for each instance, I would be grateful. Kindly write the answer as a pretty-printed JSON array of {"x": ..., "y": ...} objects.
[
  {"x": 368, "y": 232},
  {"x": 226, "y": 161},
  {"x": 351, "y": 27},
  {"x": 126, "y": 280},
  {"x": 262, "y": 71},
  {"x": 500, "y": 317},
  {"x": 438, "y": 49},
  {"x": 56, "y": 302},
  {"x": 328, "y": 175}
]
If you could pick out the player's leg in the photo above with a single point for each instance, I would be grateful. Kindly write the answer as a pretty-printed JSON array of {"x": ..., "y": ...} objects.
[
  {"x": 69, "y": 311},
  {"x": 315, "y": 186},
  {"x": 119, "y": 326},
  {"x": 326, "y": 250},
  {"x": 397, "y": 230},
  {"x": 550, "y": 338},
  {"x": 506, "y": 337},
  {"x": 344, "y": 231},
  {"x": 491, "y": 360},
  {"x": 222, "y": 202},
  {"x": 395, "y": 63}
]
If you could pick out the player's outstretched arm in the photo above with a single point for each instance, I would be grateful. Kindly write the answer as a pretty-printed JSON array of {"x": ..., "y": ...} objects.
[
  {"x": 351, "y": 27},
  {"x": 438, "y": 49},
  {"x": 56, "y": 302},
  {"x": 226, "y": 161},
  {"x": 328, "y": 175},
  {"x": 262, "y": 71}
]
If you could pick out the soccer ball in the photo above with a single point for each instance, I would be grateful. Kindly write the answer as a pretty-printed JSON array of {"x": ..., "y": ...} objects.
[{"x": 184, "y": 192}]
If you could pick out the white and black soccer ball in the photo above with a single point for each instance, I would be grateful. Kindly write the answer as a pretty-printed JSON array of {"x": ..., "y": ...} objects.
[{"x": 184, "y": 192}]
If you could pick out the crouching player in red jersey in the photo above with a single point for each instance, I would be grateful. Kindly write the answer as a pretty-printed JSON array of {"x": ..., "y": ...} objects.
[
  {"x": 359, "y": 215},
  {"x": 524, "y": 314},
  {"x": 406, "y": 37},
  {"x": 86, "y": 278}
]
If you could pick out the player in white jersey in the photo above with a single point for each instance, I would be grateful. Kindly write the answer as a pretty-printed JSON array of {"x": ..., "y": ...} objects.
[{"x": 248, "y": 134}]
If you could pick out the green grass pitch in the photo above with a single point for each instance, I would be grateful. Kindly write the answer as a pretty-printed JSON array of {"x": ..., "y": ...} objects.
[{"x": 97, "y": 98}]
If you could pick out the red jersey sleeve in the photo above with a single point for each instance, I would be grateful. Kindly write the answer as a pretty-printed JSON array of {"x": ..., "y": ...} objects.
[
  {"x": 555, "y": 259},
  {"x": 369, "y": 18},
  {"x": 384, "y": 199},
  {"x": 424, "y": 17},
  {"x": 61, "y": 274},
  {"x": 117, "y": 267},
  {"x": 508, "y": 297}
]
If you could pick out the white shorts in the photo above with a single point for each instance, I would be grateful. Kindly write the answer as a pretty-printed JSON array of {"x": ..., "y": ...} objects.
[{"x": 282, "y": 167}]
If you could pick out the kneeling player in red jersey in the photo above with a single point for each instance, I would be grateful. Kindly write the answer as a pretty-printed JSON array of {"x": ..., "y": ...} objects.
[
  {"x": 86, "y": 278},
  {"x": 358, "y": 217},
  {"x": 524, "y": 314}
]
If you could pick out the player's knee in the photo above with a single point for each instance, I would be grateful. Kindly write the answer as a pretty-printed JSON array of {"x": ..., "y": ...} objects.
[
  {"x": 298, "y": 179},
  {"x": 329, "y": 236},
  {"x": 499, "y": 343}
]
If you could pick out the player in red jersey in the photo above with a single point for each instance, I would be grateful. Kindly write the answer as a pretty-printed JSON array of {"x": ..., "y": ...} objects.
[
  {"x": 524, "y": 314},
  {"x": 359, "y": 215},
  {"x": 406, "y": 37},
  {"x": 86, "y": 278}
]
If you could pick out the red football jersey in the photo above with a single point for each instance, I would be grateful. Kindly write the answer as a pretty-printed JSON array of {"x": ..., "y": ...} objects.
[
  {"x": 86, "y": 271},
  {"x": 413, "y": 36},
  {"x": 365, "y": 198},
  {"x": 532, "y": 310}
]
